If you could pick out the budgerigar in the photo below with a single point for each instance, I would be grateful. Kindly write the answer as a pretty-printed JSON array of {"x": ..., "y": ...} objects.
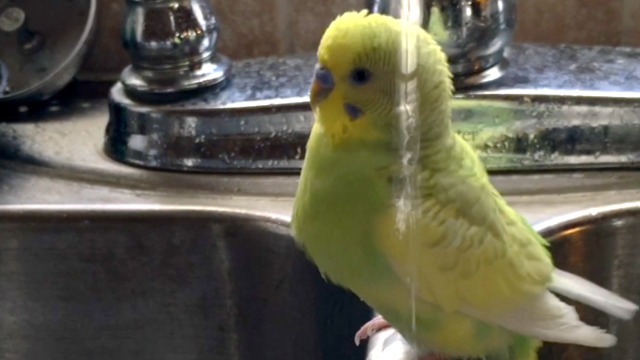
[{"x": 484, "y": 280}]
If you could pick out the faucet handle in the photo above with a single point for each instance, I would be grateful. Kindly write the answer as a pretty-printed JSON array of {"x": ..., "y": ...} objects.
[
  {"x": 172, "y": 46},
  {"x": 473, "y": 33}
]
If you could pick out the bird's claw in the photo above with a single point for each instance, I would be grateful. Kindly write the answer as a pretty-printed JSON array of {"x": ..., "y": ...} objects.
[{"x": 371, "y": 327}]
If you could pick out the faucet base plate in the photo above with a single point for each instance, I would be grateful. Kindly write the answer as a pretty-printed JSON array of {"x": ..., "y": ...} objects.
[
  {"x": 491, "y": 74},
  {"x": 175, "y": 84}
]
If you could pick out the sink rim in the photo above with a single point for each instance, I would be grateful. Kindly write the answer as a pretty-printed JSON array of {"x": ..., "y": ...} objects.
[
  {"x": 557, "y": 224},
  {"x": 12, "y": 211},
  {"x": 8, "y": 211}
]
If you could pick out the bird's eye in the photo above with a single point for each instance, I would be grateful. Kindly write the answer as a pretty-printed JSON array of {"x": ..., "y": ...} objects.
[{"x": 360, "y": 76}]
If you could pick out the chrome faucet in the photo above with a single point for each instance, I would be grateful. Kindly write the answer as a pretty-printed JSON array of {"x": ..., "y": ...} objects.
[
  {"x": 473, "y": 33},
  {"x": 172, "y": 46}
]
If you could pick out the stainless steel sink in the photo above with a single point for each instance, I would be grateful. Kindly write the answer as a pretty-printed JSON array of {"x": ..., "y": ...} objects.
[
  {"x": 157, "y": 282},
  {"x": 602, "y": 245}
]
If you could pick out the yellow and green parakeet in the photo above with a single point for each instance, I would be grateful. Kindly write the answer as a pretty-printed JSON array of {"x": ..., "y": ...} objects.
[{"x": 483, "y": 282}]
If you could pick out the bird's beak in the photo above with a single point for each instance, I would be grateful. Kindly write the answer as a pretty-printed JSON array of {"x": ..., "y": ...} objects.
[{"x": 322, "y": 85}]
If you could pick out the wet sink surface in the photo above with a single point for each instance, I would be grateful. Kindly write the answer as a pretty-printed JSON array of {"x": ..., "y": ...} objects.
[{"x": 165, "y": 283}]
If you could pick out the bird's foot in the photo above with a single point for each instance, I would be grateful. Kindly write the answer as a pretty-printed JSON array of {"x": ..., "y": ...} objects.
[
  {"x": 371, "y": 327},
  {"x": 379, "y": 323}
]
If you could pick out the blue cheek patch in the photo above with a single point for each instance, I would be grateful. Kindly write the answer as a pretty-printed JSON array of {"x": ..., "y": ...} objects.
[{"x": 353, "y": 111}]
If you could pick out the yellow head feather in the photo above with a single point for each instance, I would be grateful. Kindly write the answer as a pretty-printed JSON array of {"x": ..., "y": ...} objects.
[{"x": 351, "y": 107}]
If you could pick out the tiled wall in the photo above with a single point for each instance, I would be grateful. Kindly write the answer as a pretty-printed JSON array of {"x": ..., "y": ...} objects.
[{"x": 252, "y": 28}]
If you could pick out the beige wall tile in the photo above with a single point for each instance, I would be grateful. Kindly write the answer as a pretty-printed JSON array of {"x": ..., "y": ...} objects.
[
  {"x": 630, "y": 23},
  {"x": 250, "y": 28},
  {"x": 107, "y": 56},
  {"x": 310, "y": 18},
  {"x": 587, "y": 22}
]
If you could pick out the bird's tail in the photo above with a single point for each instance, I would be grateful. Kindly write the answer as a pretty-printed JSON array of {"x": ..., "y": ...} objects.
[{"x": 588, "y": 293}]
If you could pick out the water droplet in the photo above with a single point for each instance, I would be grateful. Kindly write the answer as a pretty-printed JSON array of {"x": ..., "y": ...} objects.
[{"x": 538, "y": 155}]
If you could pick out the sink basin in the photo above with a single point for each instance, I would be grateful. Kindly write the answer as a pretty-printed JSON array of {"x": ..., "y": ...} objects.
[
  {"x": 153, "y": 282},
  {"x": 118, "y": 282},
  {"x": 603, "y": 245}
]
